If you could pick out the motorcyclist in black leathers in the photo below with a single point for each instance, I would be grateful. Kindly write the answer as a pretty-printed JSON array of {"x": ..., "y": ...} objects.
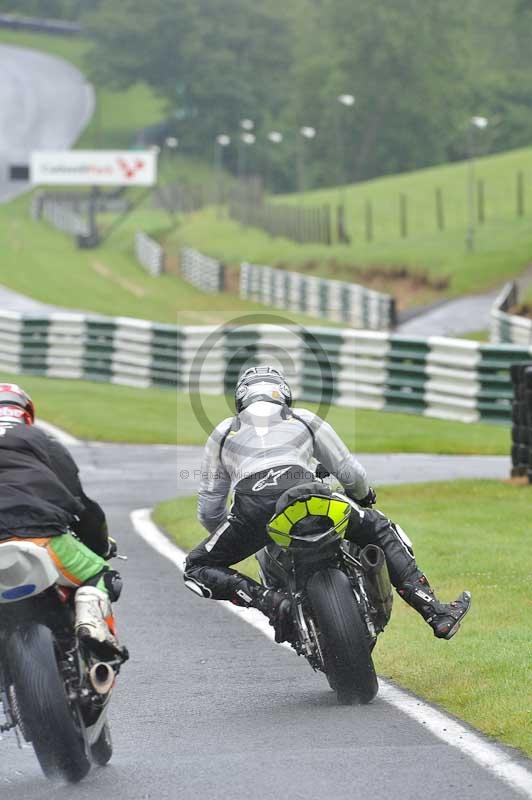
[
  {"x": 42, "y": 500},
  {"x": 260, "y": 453}
]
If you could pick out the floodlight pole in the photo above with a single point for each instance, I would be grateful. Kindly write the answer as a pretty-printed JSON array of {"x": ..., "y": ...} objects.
[
  {"x": 470, "y": 235},
  {"x": 347, "y": 101},
  {"x": 221, "y": 141},
  {"x": 475, "y": 123},
  {"x": 304, "y": 133}
]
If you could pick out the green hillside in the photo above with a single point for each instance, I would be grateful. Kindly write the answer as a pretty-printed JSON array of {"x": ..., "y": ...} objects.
[
  {"x": 39, "y": 261},
  {"x": 425, "y": 264}
]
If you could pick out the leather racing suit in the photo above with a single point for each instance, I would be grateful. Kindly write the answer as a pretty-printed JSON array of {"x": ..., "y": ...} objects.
[{"x": 258, "y": 455}]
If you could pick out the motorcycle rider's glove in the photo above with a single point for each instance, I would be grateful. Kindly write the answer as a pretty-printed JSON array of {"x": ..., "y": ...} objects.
[
  {"x": 369, "y": 500},
  {"x": 112, "y": 549},
  {"x": 322, "y": 472}
]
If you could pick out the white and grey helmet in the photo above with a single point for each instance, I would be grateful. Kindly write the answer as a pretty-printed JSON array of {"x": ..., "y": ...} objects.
[{"x": 262, "y": 383}]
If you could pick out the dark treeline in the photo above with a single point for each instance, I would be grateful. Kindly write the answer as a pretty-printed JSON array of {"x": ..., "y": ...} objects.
[
  {"x": 49, "y": 9},
  {"x": 418, "y": 69}
]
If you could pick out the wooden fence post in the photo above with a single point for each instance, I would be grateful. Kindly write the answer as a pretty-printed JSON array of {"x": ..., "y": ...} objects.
[
  {"x": 520, "y": 186},
  {"x": 327, "y": 224},
  {"x": 342, "y": 235},
  {"x": 319, "y": 225},
  {"x": 299, "y": 224}
]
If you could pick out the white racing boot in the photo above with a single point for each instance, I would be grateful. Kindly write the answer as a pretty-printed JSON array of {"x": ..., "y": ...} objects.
[{"x": 94, "y": 617}]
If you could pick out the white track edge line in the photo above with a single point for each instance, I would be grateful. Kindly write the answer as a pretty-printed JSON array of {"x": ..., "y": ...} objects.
[
  {"x": 489, "y": 756},
  {"x": 62, "y": 436}
]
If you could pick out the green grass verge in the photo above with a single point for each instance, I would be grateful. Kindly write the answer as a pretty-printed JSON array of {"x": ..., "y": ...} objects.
[
  {"x": 162, "y": 416},
  {"x": 502, "y": 243},
  {"x": 107, "y": 280},
  {"x": 527, "y": 296},
  {"x": 101, "y": 412},
  {"x": 366, "y": 431},
  {"x": 468, "y": 534},
  {"x": 478, "y": 336}
]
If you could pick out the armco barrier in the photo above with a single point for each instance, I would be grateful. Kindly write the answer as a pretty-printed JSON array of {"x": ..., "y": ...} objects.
[
  {"x": 337, "y": 301},
  {"x": 204, "y": 272},
  {"x": 149, "y": 254},
  {"x": 509, "y": 328},
  {"x": 448, "y": 378}
]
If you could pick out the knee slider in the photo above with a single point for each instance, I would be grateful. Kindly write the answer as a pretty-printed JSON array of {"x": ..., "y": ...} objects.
[{"x": 197, "y": 587}]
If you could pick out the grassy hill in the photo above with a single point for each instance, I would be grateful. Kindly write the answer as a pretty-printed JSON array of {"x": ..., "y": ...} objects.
[
  {"x": 44, "y": 263},
  {"x": 426, "y": 264}
]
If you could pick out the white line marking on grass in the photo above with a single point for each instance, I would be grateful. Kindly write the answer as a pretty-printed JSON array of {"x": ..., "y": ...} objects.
[
  {"x": 62, "y": 436},
  {"x": 489, "y": 756}
]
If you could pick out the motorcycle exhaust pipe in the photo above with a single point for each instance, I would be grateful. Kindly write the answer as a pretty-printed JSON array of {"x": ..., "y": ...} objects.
[
  {"x": 372, "y": 558},
  {"x": 374, "y": 565},
  {"x": 102, "y": 677}
]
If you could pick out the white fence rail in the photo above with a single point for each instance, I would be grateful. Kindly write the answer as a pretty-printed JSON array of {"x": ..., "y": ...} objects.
[
  {"x": 60, "y": 215},
  {"x": 204, "y": 272},
  {"x": 441, "y": 377},
  {"x": 337, "y": 301},
  {"x": 149, "y": 254},
  {"x": 509, "y": 328}
]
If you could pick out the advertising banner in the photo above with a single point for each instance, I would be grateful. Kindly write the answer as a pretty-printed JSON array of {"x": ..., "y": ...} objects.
[{"x": 94, "y": 167}]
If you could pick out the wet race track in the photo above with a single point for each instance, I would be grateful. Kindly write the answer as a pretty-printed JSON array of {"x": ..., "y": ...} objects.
[
  {"x": 44, "y": 103},
  {"x": 208, "y": 706}
]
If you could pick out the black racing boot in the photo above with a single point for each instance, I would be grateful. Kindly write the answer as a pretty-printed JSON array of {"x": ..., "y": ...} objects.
[
  {"x": 274, "y": 605},
  {"x": 443, "y": 618},
  {"x": 277, "y": 607}
]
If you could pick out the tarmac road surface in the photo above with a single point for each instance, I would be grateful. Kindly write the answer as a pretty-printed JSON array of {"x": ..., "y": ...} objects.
[
  {"x": 45, "y": 103},
  {"x": 209, "y": 708}
]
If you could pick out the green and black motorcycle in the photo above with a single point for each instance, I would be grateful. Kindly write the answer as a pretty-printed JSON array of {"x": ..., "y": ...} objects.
[
  {"x": 54, "y": 690},
  {"x": 341, "y": 595}
]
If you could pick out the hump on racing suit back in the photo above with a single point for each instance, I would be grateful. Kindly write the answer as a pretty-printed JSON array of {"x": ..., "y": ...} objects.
[
  {"x": 265, "y": 435},
  {"x": 26, "y": 569}
]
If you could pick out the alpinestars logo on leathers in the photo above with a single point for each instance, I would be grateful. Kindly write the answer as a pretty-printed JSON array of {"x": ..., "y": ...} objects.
[{"x": 271, "y": 479}]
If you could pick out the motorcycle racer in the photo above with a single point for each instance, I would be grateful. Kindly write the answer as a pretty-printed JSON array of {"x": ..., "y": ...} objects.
[
  {"x": 42, "y": 500},
  {"x": 260, "y": 454}
]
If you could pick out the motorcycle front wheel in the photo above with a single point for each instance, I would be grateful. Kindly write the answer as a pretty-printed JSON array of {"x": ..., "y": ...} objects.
[
  {"x": 343, "y": 637},
  {"x": 49, "y": 721}
]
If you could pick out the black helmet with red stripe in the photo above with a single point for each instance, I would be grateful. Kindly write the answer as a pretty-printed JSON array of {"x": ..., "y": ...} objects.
[
  {"x": 16, "y": 406},
  {"x": 262, "y": 383}
]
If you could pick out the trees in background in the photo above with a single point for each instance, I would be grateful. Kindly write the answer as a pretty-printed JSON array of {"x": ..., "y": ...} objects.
[
  {"x": 48, "y": 9},
  {"x": 419, "y": 70}
]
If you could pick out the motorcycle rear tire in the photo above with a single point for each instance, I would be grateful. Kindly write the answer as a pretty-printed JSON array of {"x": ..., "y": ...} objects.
[
  {"x": 343, "y": 637},
  {"x": 51, "y": 723}
]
